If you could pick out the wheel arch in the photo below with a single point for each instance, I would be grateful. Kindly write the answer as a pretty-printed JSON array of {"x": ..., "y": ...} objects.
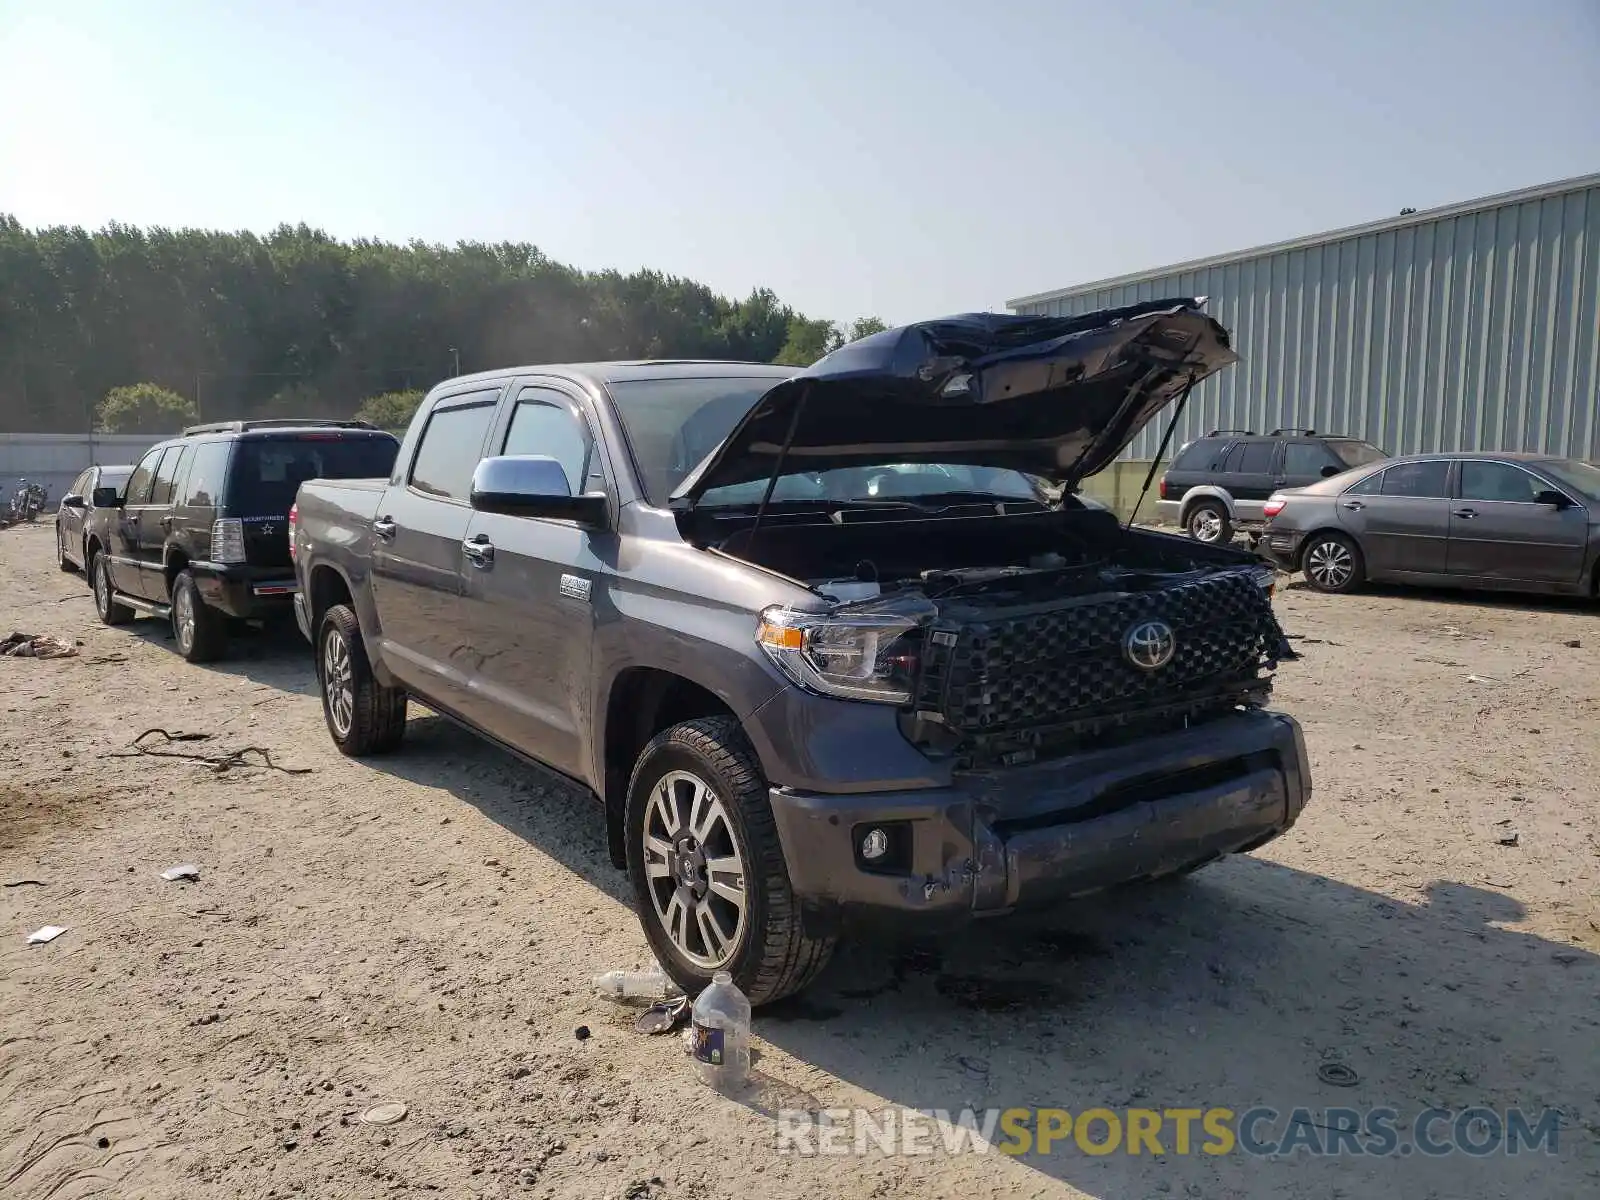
[
  {"x": 1318, "y": 531},
  {"x": 1204, "y": 492}
]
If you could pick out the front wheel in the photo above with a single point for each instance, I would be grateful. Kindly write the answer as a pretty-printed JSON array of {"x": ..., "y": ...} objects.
[
  {"x": 708, "y": 873},
  {"x": 363, "y": 716},
  {"x": 1333, "y": 563},
  {"x": 105, "y": 596}
]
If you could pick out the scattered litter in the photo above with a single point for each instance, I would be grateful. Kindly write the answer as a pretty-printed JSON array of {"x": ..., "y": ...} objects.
[
  {"x": 581, "y": 1033},
  {"x": 1572, "y": 643},
  {"x": 24, "y": 883},
  {"x": 218, "y": 762},
  {"x": 1508, "y": 838},
  {"x": 1337, "y": 1074},
  {"x": 385, "y": 1114},
  {"x": 1452, "y": 631},
  {"x": 1503, "y": 821},
  {"x": 36, "y": 645},
  {"x": 47, "y": 934},
  {"x": 663, "y": 1017},
  {"x": 652, "y": 984},
  {"x": 182, "y": 871},
  {"x": 1481, "y": 679}
]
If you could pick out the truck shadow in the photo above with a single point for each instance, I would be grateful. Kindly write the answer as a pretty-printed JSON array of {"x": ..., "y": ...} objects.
[
  {"x": 1228, "y": 990},
  {"x": 1501, "y": 601},
  {"x": 274, "y": 656}
]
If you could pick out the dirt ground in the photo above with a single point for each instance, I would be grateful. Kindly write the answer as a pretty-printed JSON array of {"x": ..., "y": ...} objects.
[{"x": 425, "y": 931}]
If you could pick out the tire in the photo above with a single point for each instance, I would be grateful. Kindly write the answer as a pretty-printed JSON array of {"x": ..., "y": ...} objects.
[
  {"x": 1332, "y": 563},
  {"x": 363, "y": 717},
  {"x": 1208, "y": 523},
  {"x": 200, "y": 630},
  {"x": 768, "y": 952},
  {"x": 105, "y": 603}
]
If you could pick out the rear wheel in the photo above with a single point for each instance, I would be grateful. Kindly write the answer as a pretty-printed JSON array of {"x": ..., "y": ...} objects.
[
  {"x": 201, "y": 631},
  {"x": 105, "y": 596},
  {"x": 708, "y": 873},
  {"x": 1332, "y": 562},
  {"x": 362, "y": 715},
  {"x": 1208, "y": 522}
]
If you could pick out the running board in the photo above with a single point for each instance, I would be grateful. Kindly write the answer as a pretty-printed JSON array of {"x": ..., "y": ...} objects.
[{"x": 144, "y": 606}]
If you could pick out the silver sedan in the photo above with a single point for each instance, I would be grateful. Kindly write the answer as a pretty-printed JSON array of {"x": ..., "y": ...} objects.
[{"x": 1512, "y": 522}]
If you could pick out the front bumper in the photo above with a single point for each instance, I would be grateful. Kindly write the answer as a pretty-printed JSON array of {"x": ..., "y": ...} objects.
[{"x": 1024, "y": 836}]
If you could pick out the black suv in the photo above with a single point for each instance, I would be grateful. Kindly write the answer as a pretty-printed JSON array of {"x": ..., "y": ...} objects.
[
  {"x": 1217, "y": 484},
  {"x": 200, "y": 531}
]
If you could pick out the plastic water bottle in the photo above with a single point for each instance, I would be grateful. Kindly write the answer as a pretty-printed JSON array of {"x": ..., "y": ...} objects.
[
  {"x": 720, "y": 1034},
  {"x": 651, "y": 985}
]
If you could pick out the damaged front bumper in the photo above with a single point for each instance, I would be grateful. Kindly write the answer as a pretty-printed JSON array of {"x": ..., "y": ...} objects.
[{"x": 1024, "y": 836}]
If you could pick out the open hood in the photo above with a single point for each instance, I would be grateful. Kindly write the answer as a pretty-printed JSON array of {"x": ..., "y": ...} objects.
[{"x": 1057, "y": 397}]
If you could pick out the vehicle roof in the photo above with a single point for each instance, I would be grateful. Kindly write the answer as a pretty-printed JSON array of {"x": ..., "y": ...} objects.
[
  {"x": 603, "y": 373},
  {"x": 1447, "y": 455}
]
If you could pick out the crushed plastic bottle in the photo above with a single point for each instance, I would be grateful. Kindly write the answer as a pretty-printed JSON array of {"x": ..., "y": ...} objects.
[
  {"x": 720, "y": 1034},
  {"x": 650, "y": 985}
]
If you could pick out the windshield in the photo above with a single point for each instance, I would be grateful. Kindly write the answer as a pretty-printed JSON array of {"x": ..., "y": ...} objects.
[
  {"x": 1356, "y": 454},
  {"x": 673, "y": 424},
  {"x": 1579, "y": 476},
  {"x": 267, "y": 472}
]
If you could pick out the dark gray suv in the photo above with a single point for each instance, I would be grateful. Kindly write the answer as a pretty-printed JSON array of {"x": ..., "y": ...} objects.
[{"x": 818, "y": 642}]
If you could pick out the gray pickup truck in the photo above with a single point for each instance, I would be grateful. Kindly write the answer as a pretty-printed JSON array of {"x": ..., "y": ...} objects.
[{"x": 822, "y": 643}]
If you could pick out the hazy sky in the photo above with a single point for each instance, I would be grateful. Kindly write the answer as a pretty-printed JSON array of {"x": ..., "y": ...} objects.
[{"x": 907, "y": 159}]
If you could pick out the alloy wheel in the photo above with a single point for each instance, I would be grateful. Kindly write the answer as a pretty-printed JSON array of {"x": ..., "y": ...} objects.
[
  {"x": 338, "y": 683},
  {"x": 694, "y": 869},
  {"x": 1206, "y": 525},
  {"x": 102, "y": 587},
  {"x": 1330, "y": 564},
  {"x": 183, "y": 619}
]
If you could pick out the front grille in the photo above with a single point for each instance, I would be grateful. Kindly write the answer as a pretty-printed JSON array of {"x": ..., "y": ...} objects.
[{"x": 997, "y": 672}]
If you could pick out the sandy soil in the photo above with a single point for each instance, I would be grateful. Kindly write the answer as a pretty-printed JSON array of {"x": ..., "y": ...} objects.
[{"x": 425, "y": 931}]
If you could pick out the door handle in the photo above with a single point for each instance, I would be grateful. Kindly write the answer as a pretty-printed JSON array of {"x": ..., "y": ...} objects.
[
  {"x": 479, "y": 549},
  {"x": 1466, "y": 514},
  {"x": 384, "y": 527},
  {"x": 1353, "y": 505}
]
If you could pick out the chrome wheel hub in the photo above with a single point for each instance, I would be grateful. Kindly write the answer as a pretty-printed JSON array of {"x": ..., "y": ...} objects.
[
  {"x": 1206, "y": 526},
  {"x": 694, "y": 870},
  {"x": 338, "y": 683},
  {"x": 1330, "y": 564},
  {"x": 102, "y": 589},
  {"x": 183, "y": 617}
]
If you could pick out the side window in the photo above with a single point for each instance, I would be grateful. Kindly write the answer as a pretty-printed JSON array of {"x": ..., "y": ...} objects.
[
  {"x": 1257, "y": 458},
  {"x": 1418, "y": 479},
  {"x": 138, "y": 490},
  {"x": 544, "y": 423},
  {"x": 167, "y": 474},
  {"x": 1498, "y": 481},
  {"x": 202, "y": 487},
  {"x": 1306, "y": 460},
  {"x": 451, "y": 447},
  {"x": 1372, "y": 485}
]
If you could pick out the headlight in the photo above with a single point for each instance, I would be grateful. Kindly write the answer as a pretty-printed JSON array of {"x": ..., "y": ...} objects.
[{"x": 867, "y": 657}]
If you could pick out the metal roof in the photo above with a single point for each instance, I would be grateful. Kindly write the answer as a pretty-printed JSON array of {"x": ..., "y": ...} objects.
[{"x": 1420, "y": 217}]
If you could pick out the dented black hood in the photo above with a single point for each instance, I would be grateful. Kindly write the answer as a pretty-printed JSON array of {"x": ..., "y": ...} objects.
[{"x": 1057, "y": 397}]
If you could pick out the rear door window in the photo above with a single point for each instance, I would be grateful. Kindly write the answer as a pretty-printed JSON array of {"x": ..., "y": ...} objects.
[
  {"x": 1256, "y": 459},
  {"x": 1418, "y": 479},
  {"x": 167, "y": 474},
  {"x": 450, "y": 450},
  {"x": 267, "y": 472}
]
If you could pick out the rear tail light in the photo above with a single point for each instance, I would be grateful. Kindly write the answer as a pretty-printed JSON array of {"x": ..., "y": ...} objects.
[
  {"x": 227, "y": 540},
  {"x": 1273, "y": 507},
  {"x": 1163, "y": 491},
  {"x": 294, "y": 516}
]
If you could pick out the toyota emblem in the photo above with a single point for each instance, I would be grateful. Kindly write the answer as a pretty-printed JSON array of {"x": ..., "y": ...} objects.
[{"x": 1149, "y": 645}]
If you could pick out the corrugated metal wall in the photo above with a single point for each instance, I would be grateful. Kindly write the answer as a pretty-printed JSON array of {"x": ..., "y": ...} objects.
[{"x": 1477, "y": 331}]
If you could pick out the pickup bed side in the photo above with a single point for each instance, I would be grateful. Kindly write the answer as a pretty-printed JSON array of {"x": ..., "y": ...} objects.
[{"x": 333, "y": 552}]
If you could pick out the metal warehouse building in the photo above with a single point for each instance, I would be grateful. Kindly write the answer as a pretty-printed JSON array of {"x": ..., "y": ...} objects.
[{"x": 1469, "y": 327}]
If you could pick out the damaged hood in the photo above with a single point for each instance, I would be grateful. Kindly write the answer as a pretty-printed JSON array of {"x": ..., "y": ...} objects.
[{"x": 1057, "y": 397}]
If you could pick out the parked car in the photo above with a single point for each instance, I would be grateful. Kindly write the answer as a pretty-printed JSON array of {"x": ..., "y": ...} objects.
[
  {"x": 77, "y": 510},
  {"x": 903, "y": 685},
  {"x": 1521, "y": 522},
  {"x": 199, "y": 533},
  {"x": 1217, "y": 484}
]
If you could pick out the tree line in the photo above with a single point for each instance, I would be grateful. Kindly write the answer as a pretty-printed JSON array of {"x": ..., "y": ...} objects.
[{"x": 139, "y": 330}]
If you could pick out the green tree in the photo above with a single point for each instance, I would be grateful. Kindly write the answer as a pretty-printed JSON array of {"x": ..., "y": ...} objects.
[
  {"x": 391, "y": 410},
  {"x": 144, "y": 408},
  {"x": 865, "y": 327},
  {"x": 808, "y": 341}
]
